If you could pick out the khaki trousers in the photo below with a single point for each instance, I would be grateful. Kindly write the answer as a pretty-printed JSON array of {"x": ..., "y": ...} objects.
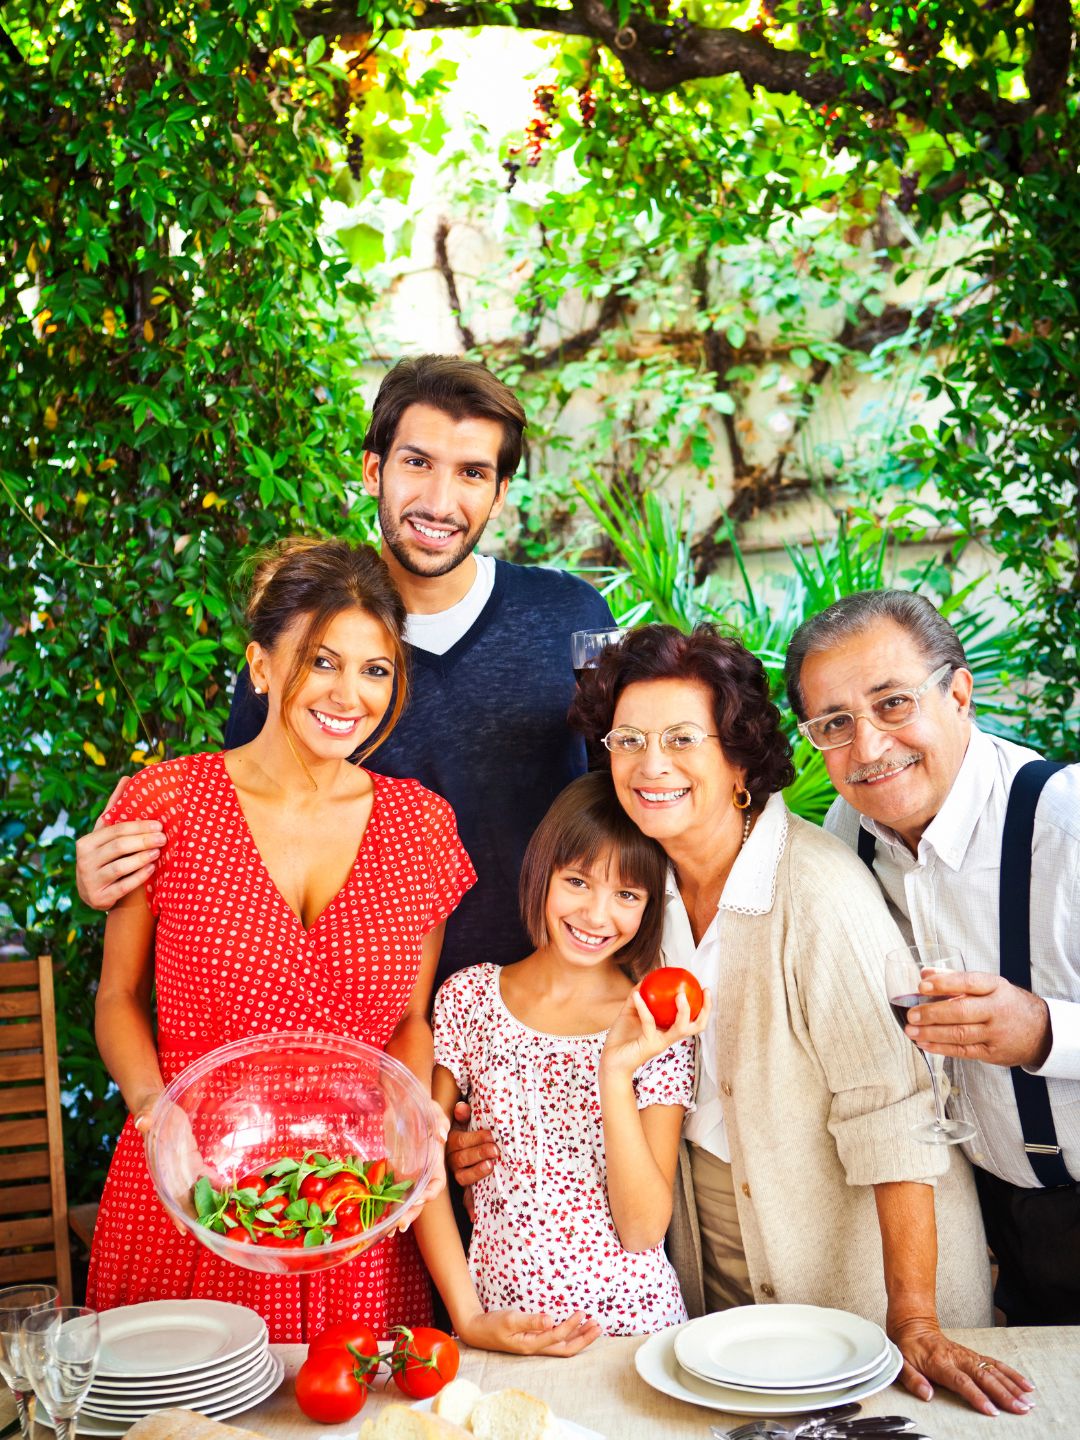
[{"x": 726, "y": 1277}]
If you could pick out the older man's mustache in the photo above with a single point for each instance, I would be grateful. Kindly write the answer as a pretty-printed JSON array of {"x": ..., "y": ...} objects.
[{"x": 871, "y": 772}]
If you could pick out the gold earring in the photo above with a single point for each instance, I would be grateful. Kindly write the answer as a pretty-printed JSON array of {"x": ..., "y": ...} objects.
[{"x": 740, "y": 797}]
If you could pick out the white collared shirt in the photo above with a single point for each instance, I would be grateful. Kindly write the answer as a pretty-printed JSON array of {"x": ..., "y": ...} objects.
[
  {"x": 750, "y": 889},
  {"x": 947, "y": 894}
]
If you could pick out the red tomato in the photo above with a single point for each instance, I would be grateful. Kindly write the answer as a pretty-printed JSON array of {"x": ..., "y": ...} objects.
[
  {"x": 240, "y": 1236},
  {"x": 330, "y": 1387},
  {"x": 253, "y": 1181},
  {"x": 356, "y": 1338},
  {"x": 277, "y": 1206},
  {"x": 342, "y": 1187},
  {"x": 349, "y": 1220},
  {"x": 660, "y": 988},
  {"x": 375, "y": 1173},
  {"x": 423, "y": 1361},
  {"x": 313, "y": 1187}
]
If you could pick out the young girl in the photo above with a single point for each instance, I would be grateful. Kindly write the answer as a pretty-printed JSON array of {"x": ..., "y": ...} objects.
[{"x": 560, "y": 1059}]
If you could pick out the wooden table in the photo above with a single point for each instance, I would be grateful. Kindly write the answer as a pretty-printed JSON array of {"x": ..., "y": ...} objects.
[{"x": 601, "y": 1390}]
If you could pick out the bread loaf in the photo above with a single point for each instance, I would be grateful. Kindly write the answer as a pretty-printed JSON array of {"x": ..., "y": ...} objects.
[
  {"x": 401, "y": 1422},
  {"x": 512, "y": 1415},
  {"x": 186, "y": 1425},
  {"x": 455, "y": 1402}
]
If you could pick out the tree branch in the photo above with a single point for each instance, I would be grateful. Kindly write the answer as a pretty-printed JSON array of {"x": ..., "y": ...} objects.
[
  {"x": 442, "y": 264},
  {"x": 659, "y": 57}
]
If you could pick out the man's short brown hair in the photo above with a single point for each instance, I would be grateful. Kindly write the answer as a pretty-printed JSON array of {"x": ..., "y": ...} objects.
[
  {"x": 462, "y": 389},
  {"x": 585, "y": 826}
]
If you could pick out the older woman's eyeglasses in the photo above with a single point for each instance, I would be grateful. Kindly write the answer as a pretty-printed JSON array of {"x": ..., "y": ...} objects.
[
  {"x": 890, "y": 712},
  {"x": 628, "y": 740}
]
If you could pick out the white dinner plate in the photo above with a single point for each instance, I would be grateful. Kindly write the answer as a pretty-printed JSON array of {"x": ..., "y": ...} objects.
[
  {"x": 206, "y": 1377},
  {"x": 568, "y": 1430},
  {"x": 781, "y": 1347},
  {"x": 655, "y": 1362},
  {"x": 174, "y": 1337},
  {"x": 91, "y": 1425},
  {"x": 183, "y": 1397}
]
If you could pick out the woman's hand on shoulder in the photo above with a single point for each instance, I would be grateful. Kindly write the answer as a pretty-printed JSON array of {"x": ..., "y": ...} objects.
[
  {"x": 516, "y": 1333},
  {"x": 635, "y": 1038}
]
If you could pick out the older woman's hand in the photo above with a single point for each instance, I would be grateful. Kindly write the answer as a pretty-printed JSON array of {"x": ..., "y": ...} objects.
[
  {"x": 987, "y": 1385},
  {"x": 635, "y": 1038}
]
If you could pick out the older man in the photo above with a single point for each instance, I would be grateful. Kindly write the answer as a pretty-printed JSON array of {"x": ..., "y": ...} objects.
[{"x": 974, "y": 846}]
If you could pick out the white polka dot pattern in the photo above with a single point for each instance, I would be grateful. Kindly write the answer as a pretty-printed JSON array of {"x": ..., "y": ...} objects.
[
  {"x": 543, "y": 1236},
  {"x": 232, "y": 960}
]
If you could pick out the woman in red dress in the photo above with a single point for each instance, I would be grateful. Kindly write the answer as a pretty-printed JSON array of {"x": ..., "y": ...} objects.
[{"x": 295, "y": 891}]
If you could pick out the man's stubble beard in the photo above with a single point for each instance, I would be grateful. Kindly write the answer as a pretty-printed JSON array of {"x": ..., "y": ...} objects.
[{"x": 436, "y": 565}]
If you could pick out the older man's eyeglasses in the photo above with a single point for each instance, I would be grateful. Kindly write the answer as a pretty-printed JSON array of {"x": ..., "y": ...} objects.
[
  {"x": 628, "y": 740},
  {"x": 889, "y": 712}
]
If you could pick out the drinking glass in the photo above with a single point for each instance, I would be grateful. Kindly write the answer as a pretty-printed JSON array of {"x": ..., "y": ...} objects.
[
  {"x": 904, "y": 968},
  {"x": 60, "y": 1350},
  {"x": 16, "y": 1303},
  {"x": 586, "y": 647}
]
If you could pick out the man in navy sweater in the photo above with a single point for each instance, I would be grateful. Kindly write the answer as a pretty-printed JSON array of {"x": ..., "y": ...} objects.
[{"x": 491, "y": 679}]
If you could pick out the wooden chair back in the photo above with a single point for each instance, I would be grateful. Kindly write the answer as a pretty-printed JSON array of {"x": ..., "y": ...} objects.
[{"x": 33, "y": 1195}]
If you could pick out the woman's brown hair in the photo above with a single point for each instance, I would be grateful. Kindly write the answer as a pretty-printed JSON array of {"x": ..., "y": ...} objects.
[
  {"x": 586, "y": 825},
  {"x": 315, "y": 580},
  {"x": 744, "y": 717}
]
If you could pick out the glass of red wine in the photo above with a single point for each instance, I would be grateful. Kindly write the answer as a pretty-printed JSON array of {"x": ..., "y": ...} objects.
[
  {"x": 904, "y": 968},
  {"x": 586, "y": 647}
]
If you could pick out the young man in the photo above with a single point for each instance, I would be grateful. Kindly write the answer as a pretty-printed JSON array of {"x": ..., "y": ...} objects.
[
  {"x": 490, "y": 672},
  {"x": 881, "y": 685}
]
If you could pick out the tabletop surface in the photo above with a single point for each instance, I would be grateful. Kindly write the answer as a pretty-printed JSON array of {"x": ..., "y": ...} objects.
[{"x": 600, "y": 1389}]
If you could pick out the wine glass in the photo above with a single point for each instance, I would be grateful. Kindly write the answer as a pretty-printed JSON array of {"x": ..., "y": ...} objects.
[
  {"x": 586, "y": 647},
  {"x": 60, "y": 1351},
  {"x": 904, "y": 968},
  {"x": 16, "y": 1303}
]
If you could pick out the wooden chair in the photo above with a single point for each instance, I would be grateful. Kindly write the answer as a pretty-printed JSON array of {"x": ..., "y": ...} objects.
[{"x": 33, "y": 1195}]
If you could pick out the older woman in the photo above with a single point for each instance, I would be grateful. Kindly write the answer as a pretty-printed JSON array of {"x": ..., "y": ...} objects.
[
  {"x": 803, "y": 1181},
  {"x": 809, "y": 1184}
]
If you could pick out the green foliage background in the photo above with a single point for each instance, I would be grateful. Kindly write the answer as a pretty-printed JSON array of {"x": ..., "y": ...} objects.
[
  {"x": 181, "y": 346},
  {"x": 179, "y": 389}
]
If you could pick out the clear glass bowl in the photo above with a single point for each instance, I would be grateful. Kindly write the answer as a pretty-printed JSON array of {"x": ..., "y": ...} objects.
[{"x": 249, "y": 1103}]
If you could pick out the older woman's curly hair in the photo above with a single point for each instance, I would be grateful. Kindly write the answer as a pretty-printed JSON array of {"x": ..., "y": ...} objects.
[{"x": 746, "y": 720}]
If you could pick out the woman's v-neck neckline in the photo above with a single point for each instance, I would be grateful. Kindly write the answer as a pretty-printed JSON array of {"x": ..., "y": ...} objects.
[{"x": 249, "y": 834}]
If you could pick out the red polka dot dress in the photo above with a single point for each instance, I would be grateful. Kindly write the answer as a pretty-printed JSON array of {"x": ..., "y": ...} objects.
[
  {"x": 543, "y": 1238},
  {"x": 233, "y": 960}
]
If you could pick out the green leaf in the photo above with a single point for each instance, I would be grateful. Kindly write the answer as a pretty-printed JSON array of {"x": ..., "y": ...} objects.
[{"x": 316, "y": 49}]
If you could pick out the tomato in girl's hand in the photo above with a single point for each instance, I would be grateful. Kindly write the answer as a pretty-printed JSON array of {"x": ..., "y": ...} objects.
[
  {"x": 660, "y": 988},
  {"x": 423, "y": 1361},
  {"x": 331, "y": 1386}
]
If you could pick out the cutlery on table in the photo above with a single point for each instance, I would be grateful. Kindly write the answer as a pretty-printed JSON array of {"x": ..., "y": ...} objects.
[{"x": 822, "y": 1427}]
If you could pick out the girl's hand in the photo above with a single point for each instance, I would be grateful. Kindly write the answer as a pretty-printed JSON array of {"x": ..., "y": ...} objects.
[
  {"x": 440, "y": 1125},
  {"x": 516, "y": 1333},
  {"x": 635, "y": 1038}
]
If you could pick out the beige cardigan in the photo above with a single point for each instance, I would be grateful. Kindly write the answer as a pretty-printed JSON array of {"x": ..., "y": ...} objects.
[{"x": 819, "y": 1088}]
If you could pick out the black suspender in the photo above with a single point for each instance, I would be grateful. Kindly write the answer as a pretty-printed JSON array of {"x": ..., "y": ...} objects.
[
  {"x": 1014, "y": 928},
  {"x": 1014, "y": 931}
]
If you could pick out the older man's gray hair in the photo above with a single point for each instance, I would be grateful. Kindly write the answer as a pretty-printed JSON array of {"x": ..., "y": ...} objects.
[{"x": 936, "y": 639}]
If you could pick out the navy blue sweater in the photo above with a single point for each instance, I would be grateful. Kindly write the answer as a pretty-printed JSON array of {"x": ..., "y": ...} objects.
[{"x": 485, "y": 727}]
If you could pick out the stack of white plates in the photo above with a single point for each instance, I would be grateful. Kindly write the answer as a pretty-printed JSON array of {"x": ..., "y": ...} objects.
[
  {"x": 199, "y": 1355},
  {"x": 771, "y": 1359}
]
